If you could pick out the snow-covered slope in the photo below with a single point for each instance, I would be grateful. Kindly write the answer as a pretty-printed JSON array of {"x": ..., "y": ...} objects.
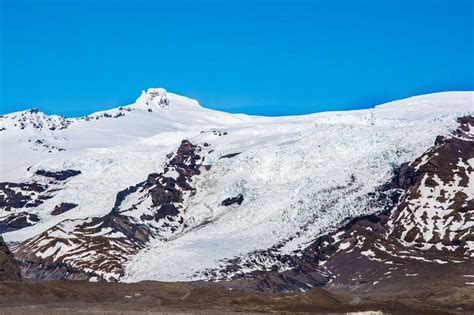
[
  {"x": 142, "y": 124},
  {"x": 166, "y": 209}
]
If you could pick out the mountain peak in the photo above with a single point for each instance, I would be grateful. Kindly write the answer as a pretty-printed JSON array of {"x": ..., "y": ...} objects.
[{"x": 153, "y": 98}]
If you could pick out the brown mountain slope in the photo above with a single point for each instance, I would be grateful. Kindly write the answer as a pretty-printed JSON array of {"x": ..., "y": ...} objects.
[{"x": 8, "y": 267}]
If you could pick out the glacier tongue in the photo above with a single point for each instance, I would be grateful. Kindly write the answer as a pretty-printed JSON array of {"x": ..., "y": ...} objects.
[{"x": 296, "y": 186}]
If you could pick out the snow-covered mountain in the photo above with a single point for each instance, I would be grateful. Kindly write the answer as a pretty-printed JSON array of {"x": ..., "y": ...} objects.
[{"x": 164, "y": 189}]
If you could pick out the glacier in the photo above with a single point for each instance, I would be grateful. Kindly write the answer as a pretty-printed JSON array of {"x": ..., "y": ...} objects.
[{"x": 300, "y": 176}]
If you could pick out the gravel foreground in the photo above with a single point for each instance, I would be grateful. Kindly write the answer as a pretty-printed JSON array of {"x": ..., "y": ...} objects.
[{"x": 74, "y": 297}]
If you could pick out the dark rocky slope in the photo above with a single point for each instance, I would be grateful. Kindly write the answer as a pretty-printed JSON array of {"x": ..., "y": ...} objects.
[
  {"x": 19, "y": 200},
  {"x": 8, "y": 268}
]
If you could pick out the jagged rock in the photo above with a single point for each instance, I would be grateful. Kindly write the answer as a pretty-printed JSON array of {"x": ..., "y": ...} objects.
[
  {"x": 230, "y": 155},
  {"x": 16, "y": 221},
  {"x": 63, "y": 207},
  {"x": 18, "y": 199},
  {"x": 13, "y": 195},
  {"x": 60, "y": 175},
  {"x": 234, "y": 200}
]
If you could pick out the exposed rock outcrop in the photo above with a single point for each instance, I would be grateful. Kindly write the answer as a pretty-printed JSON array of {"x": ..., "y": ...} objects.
[
  {"x": 63, "y": 207},
  {"x": 59, "y": 175},
  {"x": 8, "y": 268},
  {"x": 34, "y": 119},
  {"x": 233, "y": 200},
  {"x": 19, "y": 200}
]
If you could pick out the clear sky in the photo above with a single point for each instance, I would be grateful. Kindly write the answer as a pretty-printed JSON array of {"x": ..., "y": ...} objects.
[{"x": 74, "y": 57}]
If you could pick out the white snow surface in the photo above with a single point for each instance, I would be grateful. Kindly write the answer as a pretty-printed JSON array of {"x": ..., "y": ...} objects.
[{"x": 310, "y": 171}]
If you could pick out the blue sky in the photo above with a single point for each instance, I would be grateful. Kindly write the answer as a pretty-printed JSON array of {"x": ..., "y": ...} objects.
[{"x": 258, "y": 57}]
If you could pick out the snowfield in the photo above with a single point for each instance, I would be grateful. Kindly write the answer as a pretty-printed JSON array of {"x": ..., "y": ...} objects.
[{"x": 300, "y": 176}]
